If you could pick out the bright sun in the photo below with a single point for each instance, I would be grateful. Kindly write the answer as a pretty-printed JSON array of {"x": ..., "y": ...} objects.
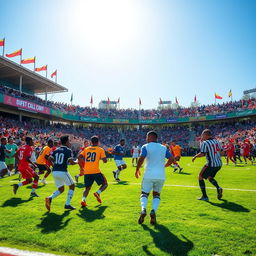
[{"x": 107, "y": 26}]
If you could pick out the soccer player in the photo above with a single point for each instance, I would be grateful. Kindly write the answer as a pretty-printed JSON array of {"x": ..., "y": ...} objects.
[
  {"x": 23, "y": 155},
  {"x": 118, "y": 157},
  {"x": 9, "y": 157},
  {"x": 176, "y": 151},
  {"x": 246, "y": 150},
  {"x": 230, "y": 150},
  {"x": 135, "y": 153},
  {"x": 154, "y": 175},
  {"x": 210, "y": 148},
  {"x": 61, "y": 157},
  {"x": 89, "y": 160},
  {"x": 81, "y": 173},
  {"x": 237, "y": 151},
  {"x": 42, "y": 161},
  {"x": 3, "y": 151}
]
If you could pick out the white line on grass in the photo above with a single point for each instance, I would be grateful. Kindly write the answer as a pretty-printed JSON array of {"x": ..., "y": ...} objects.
[
  {"x": 18, "y": 252},
  {"x": 173, "y": 185}
]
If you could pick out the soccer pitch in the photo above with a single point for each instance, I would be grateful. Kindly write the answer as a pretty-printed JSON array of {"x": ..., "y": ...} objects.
[{"x": 185, "y": 226}]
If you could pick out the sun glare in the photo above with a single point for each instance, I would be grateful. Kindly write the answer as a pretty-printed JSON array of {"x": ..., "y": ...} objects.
[{"x": 106, "y": 27}]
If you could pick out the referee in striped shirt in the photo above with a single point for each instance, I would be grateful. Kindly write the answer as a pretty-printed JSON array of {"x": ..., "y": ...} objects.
[{"x": 210, "y": 148}]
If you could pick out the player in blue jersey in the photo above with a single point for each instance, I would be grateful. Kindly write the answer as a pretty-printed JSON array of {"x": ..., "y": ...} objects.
[
  {"x": 60, "y": 158},
  {"x": 118, "y": 154}
]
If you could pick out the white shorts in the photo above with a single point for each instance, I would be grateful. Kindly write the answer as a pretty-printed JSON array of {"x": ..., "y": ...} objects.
[
  {"x": 120, "y": 162},
  {"x": 135, "y": 155},
  {"x": 2, "y": 165},
  {"x": 62, "y": 178},
  {"x": 149, "y": 184}
]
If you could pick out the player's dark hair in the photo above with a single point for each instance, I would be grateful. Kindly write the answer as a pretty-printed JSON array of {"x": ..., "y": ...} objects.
[
  {"x": 64, "y": 139},
  {"x": 94, "y": 140},
  {"x": 50, "y": 141},
  {"x": 3, "y": 139},
  {"x": 207, "y": 132},
  {"x": 122, "y": 140},
  {"x": 9, "y": 138},
  {"x": 28, "y": 139},
  {"x": 153, "y": 134}
]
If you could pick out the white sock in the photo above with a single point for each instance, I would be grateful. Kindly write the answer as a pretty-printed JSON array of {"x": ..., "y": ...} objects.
[
  {"x": 55, "y": 194},
  {"x": 84, "y": 198},
  {"x": 143, "y": 202},
  {"x": 69, "y": 197},
  {"x": 98, "y": 192},
  {"x": 20, "y": 184},
  {"x": 155, "y": 203},
  {"x": 33, "y": 190}
]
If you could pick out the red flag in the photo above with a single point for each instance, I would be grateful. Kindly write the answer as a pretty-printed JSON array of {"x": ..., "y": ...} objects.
[
  {"x": 217, "y": 96},
  {"x": 91, "y": 102},
  {"x": 195, "y": 99},
  {"x": 108, "y": 101},
  {"x": 29, "y": 60},
  {"x": 54, "y": 73},
  {"x": 43, "y": 68},
  {"x": 14, "y": 54},
  {"x": 176, "y": 100},
  {"x": 139, "y": 101},
  {"x": 161, "y": 102},
  {"x": 2, "y": 42}
]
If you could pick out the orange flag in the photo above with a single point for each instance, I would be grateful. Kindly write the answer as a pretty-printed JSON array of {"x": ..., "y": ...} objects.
[
  {"x": 29, "y": 60},
  {"x": 43, "y": 68},
  {"x": 14, "y": 54},
  {"x": 217, "y": 96}
]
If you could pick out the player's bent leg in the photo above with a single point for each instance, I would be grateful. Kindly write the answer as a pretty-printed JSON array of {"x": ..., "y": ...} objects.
[
  {"x": 69, "y": 197},
  {"x": 85, "y": 194}
]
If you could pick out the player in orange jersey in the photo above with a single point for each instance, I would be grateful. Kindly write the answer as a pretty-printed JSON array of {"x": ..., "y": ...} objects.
[
  {"x": 42, "y": 160},
  {"x": 176, "y": 152},
  {"x": 89, "y": 160}
]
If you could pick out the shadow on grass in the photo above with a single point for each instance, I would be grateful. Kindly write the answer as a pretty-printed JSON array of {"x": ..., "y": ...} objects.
[
  {"x": 91, "y": 215},
  {"x": 80, "y": 185},
  {"x": 38, "y": 187},
  {"x": 184, "y": 173},
  {"x": 230, "y": 206},
  {"x": 52, "y": 222},
  {"x": 122, "y": 182},
  {"x": 13, "y": 202},
  {"x": 167, "y": 242}
]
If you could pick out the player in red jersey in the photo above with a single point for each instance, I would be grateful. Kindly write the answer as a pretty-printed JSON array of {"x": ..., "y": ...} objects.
[
  {"x": 86, "y": 144},
  {"x": 230, "y": 150},
  {"x": 246, "y": 150},
  {"x": 23, "y": 155}
]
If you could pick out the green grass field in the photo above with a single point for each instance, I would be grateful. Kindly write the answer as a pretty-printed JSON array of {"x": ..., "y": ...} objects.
[{"x": 186, "y": 226}]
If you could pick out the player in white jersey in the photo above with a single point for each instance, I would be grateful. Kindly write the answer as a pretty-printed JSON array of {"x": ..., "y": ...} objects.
[
  {"x": 210, "y": 148},
  {"x": 154, "y": 175},
  {"x": 135, "y": 153}
]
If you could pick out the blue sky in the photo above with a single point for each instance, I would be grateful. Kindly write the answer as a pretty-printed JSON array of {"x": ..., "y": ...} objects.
[{"x": 137, "y": 48}]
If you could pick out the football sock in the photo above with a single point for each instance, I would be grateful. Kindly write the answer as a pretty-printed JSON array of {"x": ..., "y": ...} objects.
[
  {"x": 214, "y": 183},
  {"x": 33, "y": 190},
  {"x": 155, "y": 203},
  {"x": 143, "y": 202},
  {"x": 202, "y": 187},
  {"x": 55, "y": 194},
  {"x": 69, "y": 197},
  {"x": 84, "y": 198},
  {"x": 98, "y": 191}
]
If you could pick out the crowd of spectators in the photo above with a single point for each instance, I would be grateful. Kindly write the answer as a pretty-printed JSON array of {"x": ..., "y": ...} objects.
[{"x": 213, "y": 109}]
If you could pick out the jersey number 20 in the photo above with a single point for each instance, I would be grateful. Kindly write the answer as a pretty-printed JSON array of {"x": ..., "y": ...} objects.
[{"x": 90, "y": 157}]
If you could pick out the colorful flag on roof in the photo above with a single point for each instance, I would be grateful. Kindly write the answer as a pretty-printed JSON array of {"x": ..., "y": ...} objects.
[
  {"x": 29, "y": 60},
  {"x": 14, "y": 54}
]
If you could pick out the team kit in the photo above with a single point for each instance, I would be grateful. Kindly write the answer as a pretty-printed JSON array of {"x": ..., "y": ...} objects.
[{"x": 56, "y": 156}]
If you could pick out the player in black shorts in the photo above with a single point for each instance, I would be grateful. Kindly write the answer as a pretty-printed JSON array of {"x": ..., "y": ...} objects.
[{"x": 210, "y": 148}]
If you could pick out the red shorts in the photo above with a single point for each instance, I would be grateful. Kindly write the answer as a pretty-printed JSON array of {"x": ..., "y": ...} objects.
[
  {"x": 230, "y": 154},
  {"x": 246, "y": 154},
  {"x": 27, "y": 173}
]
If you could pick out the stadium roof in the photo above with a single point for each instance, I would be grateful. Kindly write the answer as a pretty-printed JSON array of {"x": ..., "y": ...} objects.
[{"x": 32, "y": 81}]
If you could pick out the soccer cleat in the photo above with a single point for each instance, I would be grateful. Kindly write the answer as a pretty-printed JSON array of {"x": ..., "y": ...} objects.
[
  {"x": 83, "y": 204},
  {"x": 97, "y": 197},
  {"x": 203, "y": 198},
  {"x": 48, "y": 202},
  {"x": 117, "y": 179},
  {"x": 143, "y": 214},
  {"x": 34, "y": 194},
  {"x": 69, "y": 207},
  {"x": 180, "y": 169},
  {"x": 44, "y": 182},
  {"x": 114, "y": 173},
  {"x": 76, "y": 178},
  {"x": 15, "y": 188},
  {"x": 152, "y": 217},
  {"x": 175, "y": 169},
  {"x": 220, "y": 193}
]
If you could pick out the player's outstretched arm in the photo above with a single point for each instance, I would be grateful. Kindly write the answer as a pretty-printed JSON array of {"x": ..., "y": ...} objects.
[
  {"x": 72, "y": 161},
  {"x": 198, "y": 155},
  {"x": 169, "y": 161},
  {"x": 139, "y": 164}
]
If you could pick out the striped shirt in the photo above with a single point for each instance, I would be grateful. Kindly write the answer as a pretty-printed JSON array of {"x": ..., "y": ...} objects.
[{"x": 212, "y": 148}]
